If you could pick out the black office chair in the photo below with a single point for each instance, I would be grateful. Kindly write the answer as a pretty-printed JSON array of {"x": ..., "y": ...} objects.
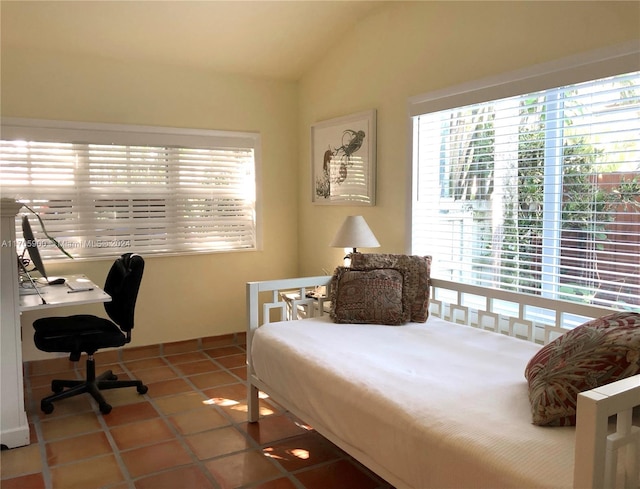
[{"x": 87, "y": 333}]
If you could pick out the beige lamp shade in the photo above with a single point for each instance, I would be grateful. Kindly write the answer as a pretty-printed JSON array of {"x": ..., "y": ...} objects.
[{"x": 354, "y": 233}]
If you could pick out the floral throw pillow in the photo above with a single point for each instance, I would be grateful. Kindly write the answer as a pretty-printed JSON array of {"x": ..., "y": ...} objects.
[
  {"x": 368, "y": 297},
  {"x": 596, "y": 353},
  {"x": 417, "y": 271}
]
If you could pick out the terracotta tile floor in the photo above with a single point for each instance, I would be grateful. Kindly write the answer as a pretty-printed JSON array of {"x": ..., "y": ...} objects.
[{"x": 188, "y": 432}]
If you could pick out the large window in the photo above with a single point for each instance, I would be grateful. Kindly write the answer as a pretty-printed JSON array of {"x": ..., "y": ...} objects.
[
  {"x": 103, "y": 189},
  {"x": 537, "y": 192}
]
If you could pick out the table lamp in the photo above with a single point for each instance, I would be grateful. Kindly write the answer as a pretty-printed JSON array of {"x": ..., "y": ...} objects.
[{"x": 354, "y": 233}]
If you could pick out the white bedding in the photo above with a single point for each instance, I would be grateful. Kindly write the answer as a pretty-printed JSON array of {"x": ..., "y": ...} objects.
[{"x": 435, "y": 405}]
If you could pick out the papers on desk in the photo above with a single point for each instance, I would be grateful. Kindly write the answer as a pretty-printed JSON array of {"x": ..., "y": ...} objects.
[
  {"x": 64, "y": 295},
  {"x": 73, "y": 284},
  {"x": 79, "y": 284}
]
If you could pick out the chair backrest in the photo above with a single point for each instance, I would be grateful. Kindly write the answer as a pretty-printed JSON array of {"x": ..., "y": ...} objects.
[{"x": 122, "y": 284}]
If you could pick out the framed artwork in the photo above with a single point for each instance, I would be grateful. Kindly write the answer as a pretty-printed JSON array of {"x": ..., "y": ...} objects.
[{"x": 343, "y": 160}]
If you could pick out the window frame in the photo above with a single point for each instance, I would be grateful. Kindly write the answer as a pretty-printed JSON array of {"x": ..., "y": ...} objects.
[
  {"x": 598, "y": 64},
  {"x": 138, "y": 135}
]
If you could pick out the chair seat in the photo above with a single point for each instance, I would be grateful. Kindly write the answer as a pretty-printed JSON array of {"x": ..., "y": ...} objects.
[{"x": 76, "y": 334}]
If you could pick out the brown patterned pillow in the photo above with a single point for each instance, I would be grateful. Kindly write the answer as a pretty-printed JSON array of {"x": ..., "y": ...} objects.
[
  {"x": 417, "y": 271},
  {"x": 368, "y": 296},
  {"x": 596, "y": 353}
]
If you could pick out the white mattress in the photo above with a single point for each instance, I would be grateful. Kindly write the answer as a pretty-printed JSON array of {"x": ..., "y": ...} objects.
[{"x": 434, "y": 405}]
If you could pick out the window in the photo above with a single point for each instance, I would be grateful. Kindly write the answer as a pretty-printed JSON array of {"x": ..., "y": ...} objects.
[
  {"x": 538, "y": 192},
  {"x": 101, "y": 189}
]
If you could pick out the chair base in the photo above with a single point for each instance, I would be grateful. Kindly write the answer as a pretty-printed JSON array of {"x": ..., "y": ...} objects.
[{"x": 64, "y": 389}]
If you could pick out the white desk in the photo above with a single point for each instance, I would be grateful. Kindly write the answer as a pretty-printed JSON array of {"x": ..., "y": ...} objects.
[
  {"x": 61, "y": 295},
  {"x": 14, "y": 426}
]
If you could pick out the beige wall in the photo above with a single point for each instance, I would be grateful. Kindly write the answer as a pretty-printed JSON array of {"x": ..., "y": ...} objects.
[
  {"x": 417, "y": 47},
  {"x": 189, "y": 296}
]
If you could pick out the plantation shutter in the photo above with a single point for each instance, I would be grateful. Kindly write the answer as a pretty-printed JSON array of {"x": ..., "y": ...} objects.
[
  {"x": 537, "y": 193},
  {"x": 102, "y": 189}
]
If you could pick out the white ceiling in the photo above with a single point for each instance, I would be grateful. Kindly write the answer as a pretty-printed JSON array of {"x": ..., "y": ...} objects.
[{"x": 278, "y": 39}]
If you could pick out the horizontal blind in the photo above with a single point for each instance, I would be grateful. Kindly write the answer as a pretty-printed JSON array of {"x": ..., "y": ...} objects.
[
  {"x": 98, "y": 198},
  {"x": 537, "y": 193}
]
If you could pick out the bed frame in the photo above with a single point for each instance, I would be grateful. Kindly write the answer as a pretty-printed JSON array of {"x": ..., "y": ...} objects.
[{"x": 602, "y": 459}]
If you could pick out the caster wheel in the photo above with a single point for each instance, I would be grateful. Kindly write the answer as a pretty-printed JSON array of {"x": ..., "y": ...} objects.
[
  {"x": 56, "y": 387},
  {"x": 46, "y": 407},
  {"x": 113, "y": 377},
  {"x": 142, "y": 389},
  {"x": 105, "y": 408}
]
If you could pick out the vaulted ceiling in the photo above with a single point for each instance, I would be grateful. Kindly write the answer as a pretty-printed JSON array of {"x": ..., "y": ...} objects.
[{"x": 276, "y": 39}]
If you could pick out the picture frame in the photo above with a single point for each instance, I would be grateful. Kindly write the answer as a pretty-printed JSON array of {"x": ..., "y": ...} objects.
[{"x": 343, "y": 160}]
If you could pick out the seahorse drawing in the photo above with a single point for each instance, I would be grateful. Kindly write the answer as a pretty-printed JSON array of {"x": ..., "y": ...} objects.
[{"x": 351, "y": 143}]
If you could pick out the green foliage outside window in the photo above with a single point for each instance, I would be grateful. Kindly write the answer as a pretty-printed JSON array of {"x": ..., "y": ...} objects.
[{"x": 586, "y": 206}]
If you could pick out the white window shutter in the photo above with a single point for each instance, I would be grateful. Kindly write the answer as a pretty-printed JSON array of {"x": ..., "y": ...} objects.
[
  {"x": 537, "y": 193},
  {"x": 103, "y": 189}
]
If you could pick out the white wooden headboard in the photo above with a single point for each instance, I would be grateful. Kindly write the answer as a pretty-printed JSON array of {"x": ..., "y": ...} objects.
[{"x": 530, "y": 317}]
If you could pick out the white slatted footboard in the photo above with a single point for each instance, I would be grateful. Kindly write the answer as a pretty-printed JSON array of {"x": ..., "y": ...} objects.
[{"x": 606, "y": 460}]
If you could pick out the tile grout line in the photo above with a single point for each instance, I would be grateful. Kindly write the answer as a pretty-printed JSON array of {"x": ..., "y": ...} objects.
[
  {"x": 252, "y": 443},
  {"x": 114, "y": 447},
  {"x": 42, "y": 447},
  {"x": 283, "y": 472},
  {"x": 175, "y": 368},
  {"x": 177, "y": 435},
  {"x": 289, "y": 475},
  {"x": 233, "y": 421}
]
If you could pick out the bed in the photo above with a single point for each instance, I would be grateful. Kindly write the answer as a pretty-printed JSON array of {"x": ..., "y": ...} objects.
[{"x": 441, "y": 403}]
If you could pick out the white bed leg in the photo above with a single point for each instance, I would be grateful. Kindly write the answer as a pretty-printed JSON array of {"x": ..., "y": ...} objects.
[{"x": 253, "y": 403}]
